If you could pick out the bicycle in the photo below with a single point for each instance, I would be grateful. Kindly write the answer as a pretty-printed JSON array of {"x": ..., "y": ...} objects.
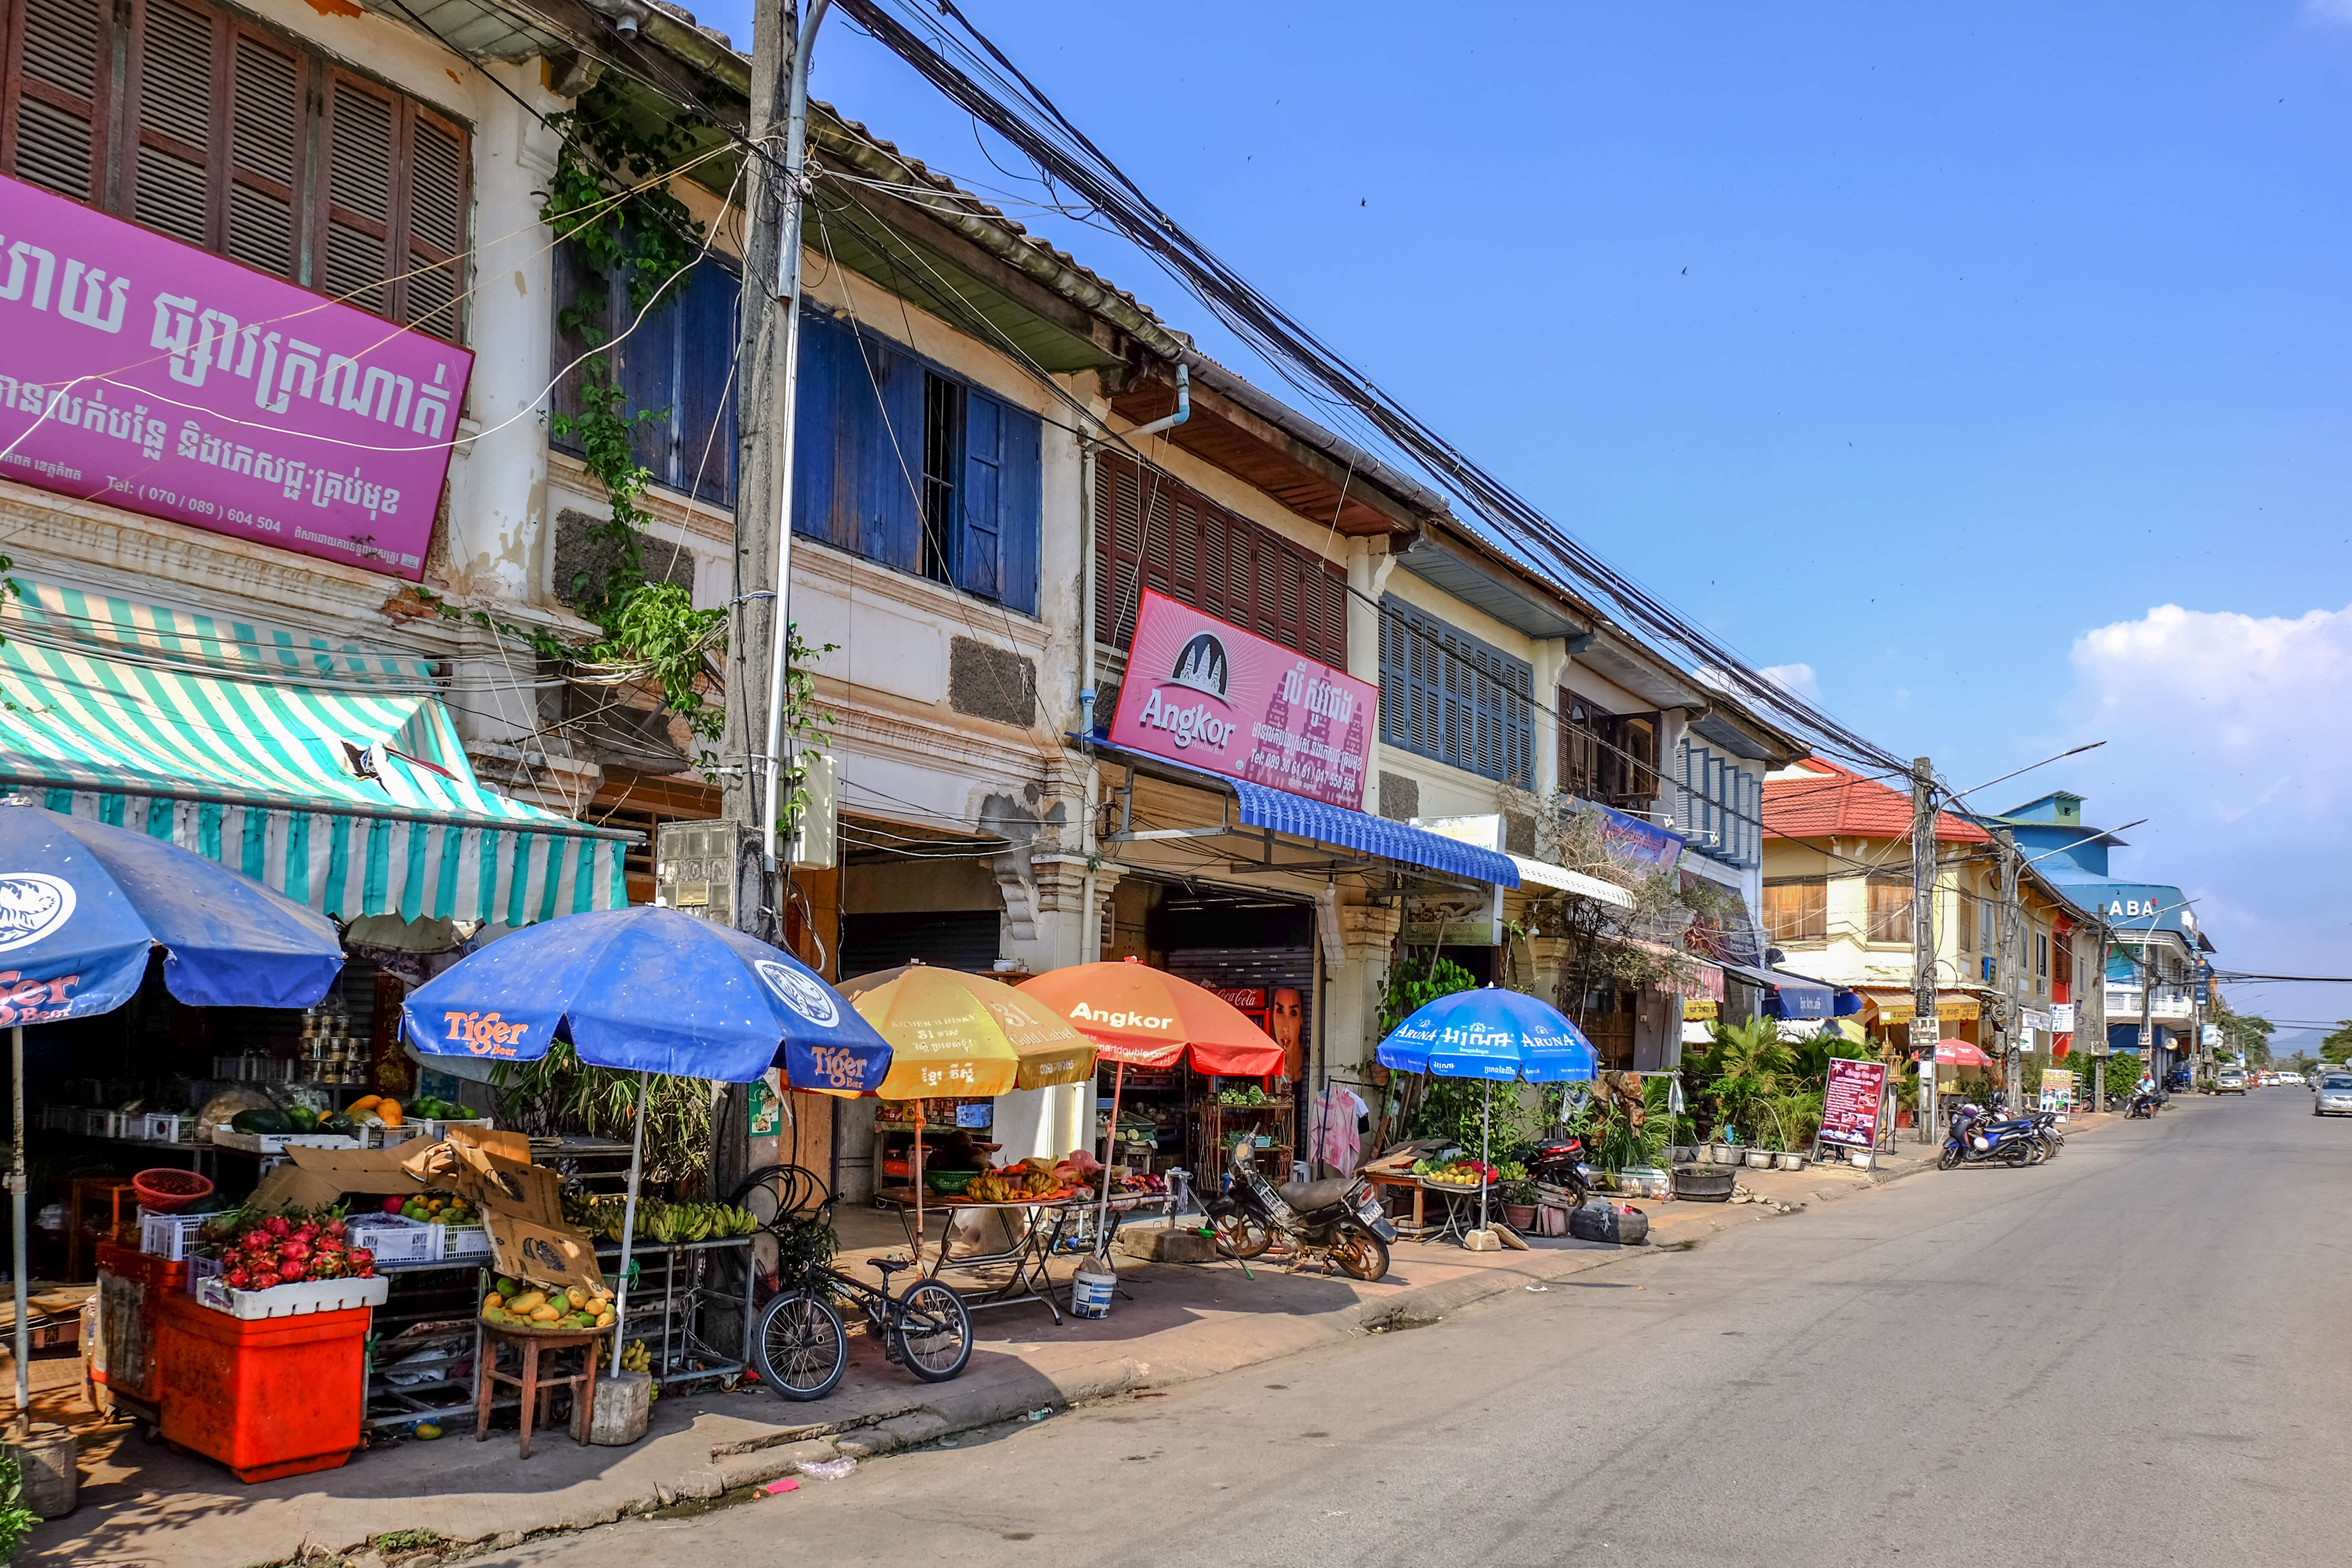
[{"x": 799, "y": 1343}]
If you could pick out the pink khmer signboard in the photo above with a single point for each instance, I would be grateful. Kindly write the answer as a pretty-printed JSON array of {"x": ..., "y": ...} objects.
[
  {"x": 1214, "y": 697},
  {"x": 144, "y": 373}
]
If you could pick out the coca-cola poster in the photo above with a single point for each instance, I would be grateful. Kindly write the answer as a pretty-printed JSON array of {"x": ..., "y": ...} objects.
[
  {"x": 1210, "y": 695},
  {"x": 162, "y": 379}
]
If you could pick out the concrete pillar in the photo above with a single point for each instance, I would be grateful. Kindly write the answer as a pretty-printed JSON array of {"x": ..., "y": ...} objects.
[
  {"x": 1050, "y": 1123},
  {"x": 1368, "y": 566},
  {"x": 1352, "y": 995},
  {"x": 498, "y": 492}
]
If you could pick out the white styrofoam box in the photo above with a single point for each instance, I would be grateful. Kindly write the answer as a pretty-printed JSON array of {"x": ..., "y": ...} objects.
[
  {"x": 293, "y": 1300},
  {"x": 166, "y": 1127},
  {"x": 167, "y": 1235},
  {"x": 390, "y": 1137},
  {"x": 459, "y": 1242},
  {"x": 437, "y": 1130},
  {"x": 278, "y": 1143},
  {"x": 395, "y": 1238}
]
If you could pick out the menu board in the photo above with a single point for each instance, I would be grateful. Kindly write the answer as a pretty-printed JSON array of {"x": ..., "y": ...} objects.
[
  {"x": 1852, "y": 1103},
  {"x": 2058, "y": 1090}
]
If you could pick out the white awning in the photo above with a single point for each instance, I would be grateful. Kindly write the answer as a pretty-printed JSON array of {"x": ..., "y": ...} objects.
[{"x": 1576, "y": 882}]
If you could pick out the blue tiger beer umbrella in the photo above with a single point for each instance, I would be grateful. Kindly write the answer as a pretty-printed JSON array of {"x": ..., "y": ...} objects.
[
  {"x": 83, "y": 906},
  {"x": 1498, "y": 1035},
  {"x": 647, "y": 990}
]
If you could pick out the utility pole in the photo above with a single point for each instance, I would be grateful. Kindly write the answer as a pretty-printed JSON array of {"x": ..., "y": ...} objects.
[
  {"x": 766, "y": 398},
  {"x": 1926, "y": 1027},
  {"x": 2012, "y": 968},
  {"x": 2093, "y": 1022}
]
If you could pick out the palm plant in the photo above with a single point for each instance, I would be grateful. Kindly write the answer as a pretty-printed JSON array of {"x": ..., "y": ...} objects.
[{"x": 1747, "y": 1064}]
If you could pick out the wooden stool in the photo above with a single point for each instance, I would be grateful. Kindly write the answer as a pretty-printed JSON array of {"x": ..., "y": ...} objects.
[
  {"x": 105, "y": 1189},
  {"x": 529, "y": 1384}
]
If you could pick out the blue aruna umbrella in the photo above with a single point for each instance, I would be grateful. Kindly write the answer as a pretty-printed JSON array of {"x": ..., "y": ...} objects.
[
  {"x": 82, "y": 905},
  {"x": 647, "y": 990},
  {"x": 1505, "y": 1036}
]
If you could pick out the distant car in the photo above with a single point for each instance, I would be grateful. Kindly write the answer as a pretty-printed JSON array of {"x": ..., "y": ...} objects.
[
  {"x": 2332, "y": 1095},
  {"x": 2231, "y": 1081}
]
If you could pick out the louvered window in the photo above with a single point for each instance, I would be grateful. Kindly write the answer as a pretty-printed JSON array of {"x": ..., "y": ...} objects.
[
  {"x": 1448, "y": 696},
  {"x": 210, "y": 137},
  {"x": 1152, "y": 532},
  {"x": 676, "y": 368}
]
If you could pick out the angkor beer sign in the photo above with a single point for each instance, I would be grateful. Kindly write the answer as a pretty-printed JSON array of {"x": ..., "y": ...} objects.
[
  {"x": 1215, "y": 697},
  {"x": 152, "y": 376}
]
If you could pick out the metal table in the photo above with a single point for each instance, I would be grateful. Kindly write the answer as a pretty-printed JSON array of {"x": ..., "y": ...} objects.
[{"x": 1026, "y": 1247}]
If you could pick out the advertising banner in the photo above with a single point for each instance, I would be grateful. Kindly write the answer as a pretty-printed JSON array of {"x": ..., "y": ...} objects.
[
  {"x": 1214, "y": 697},
  {"x": 2058, "y": 1091},
  {"x": 1852, "y": 1101},
  {"x": 152, "y": 376}
]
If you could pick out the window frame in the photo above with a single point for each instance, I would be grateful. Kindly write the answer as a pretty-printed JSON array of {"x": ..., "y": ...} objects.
[
  {"x": 1878, "y": 923},
  {"x": 1816, "y": 916},
  {"x": 119, "y": 131},
  {"x": 1433, "y": 674}
]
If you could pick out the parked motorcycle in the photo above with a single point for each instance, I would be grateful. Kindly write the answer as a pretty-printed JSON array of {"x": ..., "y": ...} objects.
[
  {"x": 1974, "y": 1139},
  {"x": 1559, "y": 1162},
  {"x": 1337, "y": 1221}
]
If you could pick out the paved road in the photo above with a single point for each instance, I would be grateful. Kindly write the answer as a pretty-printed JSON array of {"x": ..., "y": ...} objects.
[{"x": 2115, "y": 1358}]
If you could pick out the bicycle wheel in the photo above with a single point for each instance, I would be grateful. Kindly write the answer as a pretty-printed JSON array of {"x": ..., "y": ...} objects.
[
  {"x": 933, "y": 1330},
  {"x": 799, "y": 1347}
]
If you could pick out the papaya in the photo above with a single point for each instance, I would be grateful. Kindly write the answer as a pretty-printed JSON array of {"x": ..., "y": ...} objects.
[
  {"x": 262, "y": 1118},
  {"x": 493, "y": 1301},
  {"x": 389, "y": 1111},
  {"x": 544, "y": 1314},
  {"x": 529, "y": 1301},
  {"x": 575, "y": 1295},
  {"x": 364, "y": 1102}
]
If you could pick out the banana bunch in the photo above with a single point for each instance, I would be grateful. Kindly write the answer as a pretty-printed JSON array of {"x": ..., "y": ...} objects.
[
  {"x": 635, "y": 1357},
  {"x": 673, "y": 1224}
]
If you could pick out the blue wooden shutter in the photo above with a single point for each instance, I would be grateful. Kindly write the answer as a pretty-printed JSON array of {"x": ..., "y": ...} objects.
[
  {"x": 819, "y": 439},
  {"x": 705, "y": 405},
  {"x": 979, "y": 562},
  {"x": 882, "y": 416},
  {"x": 1020, "y": 500}
]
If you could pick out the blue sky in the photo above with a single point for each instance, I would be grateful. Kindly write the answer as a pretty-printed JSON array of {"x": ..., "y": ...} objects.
[{"x": 1933, "y": 350}]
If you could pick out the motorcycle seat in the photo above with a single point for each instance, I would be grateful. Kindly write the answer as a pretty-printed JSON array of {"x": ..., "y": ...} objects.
[{"x": 1308, "y": 1196}]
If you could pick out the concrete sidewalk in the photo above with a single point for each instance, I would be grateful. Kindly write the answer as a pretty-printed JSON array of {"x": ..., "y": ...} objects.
[{"x": 146, "y": 1504}]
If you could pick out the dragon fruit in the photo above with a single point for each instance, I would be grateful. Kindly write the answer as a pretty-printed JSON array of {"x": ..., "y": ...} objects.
[
  {"x": 291, "y": 1272},
  {"x": 239, "y": 1279},
  {"x": 278, "y": 1227},
  {"x": 295, "y": 1250},
  {"x": 363, "y": 1262}
]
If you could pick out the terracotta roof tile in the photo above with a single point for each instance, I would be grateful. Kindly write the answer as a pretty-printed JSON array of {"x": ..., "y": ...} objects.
[{"x": 1844, "y": 805}]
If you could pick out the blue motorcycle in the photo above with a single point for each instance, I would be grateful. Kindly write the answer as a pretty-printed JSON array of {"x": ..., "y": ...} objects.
[{"x": 1976, "y": 1139}]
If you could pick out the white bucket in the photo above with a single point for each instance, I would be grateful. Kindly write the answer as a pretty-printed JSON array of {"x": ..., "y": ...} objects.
[{"x": 1091, "y": 1288}]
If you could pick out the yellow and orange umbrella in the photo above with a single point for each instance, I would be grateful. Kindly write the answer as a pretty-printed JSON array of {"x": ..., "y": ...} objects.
[{"x": 962, "y": 1035}]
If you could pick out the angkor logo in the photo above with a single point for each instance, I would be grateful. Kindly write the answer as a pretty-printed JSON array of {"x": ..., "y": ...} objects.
[
  {"x": 802, "y": 994},
  {"x": 31, "y": 907},
  {"x": 1201, "y": 665}
]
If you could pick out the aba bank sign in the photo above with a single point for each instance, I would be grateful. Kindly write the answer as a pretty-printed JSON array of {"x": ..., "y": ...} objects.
[{"x": 152, "y": 376}]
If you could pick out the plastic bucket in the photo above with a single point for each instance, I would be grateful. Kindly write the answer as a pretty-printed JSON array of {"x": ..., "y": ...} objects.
[{"x": 1091, "y": 1288}]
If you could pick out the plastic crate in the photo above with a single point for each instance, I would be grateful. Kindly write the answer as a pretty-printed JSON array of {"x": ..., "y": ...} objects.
[
  {"x": 278, "y": 1143},
  {"x": 390, "y": 1137},
  {"x": 395, "y": 1238},
  {"x": 200, "y": 1268},
  {"x": 166, "y": 1127},
  {"x": 462, "y": 1242},
  {"x": 437, "y": 1129},
  {"x": 292, "y": 1301},
  {"x": 265, "y": 1398},
  {"x": 167, "y": 1235}
]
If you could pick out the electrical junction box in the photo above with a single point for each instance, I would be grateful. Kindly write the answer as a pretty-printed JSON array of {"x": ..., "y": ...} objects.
[
  {"x": 815, "y": 837},
  {"x": 693, "y": 867}
]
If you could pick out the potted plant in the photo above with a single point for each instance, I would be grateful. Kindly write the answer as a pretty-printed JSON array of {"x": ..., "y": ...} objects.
[{"x": 1518, "y": 1195}]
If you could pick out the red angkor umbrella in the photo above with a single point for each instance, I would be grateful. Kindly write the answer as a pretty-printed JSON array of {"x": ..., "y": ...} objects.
[
  {"x": 1150, "y": 1018},
  {"x": 1960, "y": 1053}
]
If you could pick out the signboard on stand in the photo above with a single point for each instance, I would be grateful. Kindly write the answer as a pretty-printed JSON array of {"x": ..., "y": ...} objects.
[
  {"x": 1853, "y": 1104},
  {"x": 2058, "y": 1091}
]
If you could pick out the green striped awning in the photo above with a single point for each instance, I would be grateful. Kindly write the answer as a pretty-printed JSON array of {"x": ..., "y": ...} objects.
[{"x": 334, "y": 775}]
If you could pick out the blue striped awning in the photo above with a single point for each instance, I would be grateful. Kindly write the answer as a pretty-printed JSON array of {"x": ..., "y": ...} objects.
[
  {"x": 353, "y": 797},
  {"x": 1300, "y": 817}
]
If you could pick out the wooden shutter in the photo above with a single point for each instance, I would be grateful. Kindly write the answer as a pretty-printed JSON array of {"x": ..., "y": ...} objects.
[
  {"x": 705, "y": 386},
  {"x": 646, "y": 364},
  {"x": 999, "y": 499},
  {"x": 817, "y": 443},
  {"x": 1454, "y": 698},
  {"x": 359, "y": 138},
  {"x": 267, "y": 92},
  {"x": 882, "y": 418},
  {"x": 173, "y": 187},
  {"x": 433, "y": 231},
  {"x": 56, "y": 115}
]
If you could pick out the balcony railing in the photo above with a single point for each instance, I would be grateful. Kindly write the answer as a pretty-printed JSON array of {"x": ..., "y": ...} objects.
[{"x": 2169, "y": 1003}]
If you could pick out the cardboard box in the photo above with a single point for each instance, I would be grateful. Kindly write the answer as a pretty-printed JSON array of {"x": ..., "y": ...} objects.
[{"x": 543, "y": 1254}]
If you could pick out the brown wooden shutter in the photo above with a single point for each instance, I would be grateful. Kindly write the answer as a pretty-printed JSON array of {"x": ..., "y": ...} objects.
[
  {"x": 176, "y": 109},
  {"x": 266, "y": 90},
  {"x": 358, "y": 141},
  {"x": 438, "y": 202},
  {"x": 56, "y": 115}
]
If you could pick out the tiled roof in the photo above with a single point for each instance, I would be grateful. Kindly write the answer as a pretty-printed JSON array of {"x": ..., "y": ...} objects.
[{"x": 1841, "y": 803}]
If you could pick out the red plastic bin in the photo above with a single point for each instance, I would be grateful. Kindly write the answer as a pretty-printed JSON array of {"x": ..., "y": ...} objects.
[
  {"x": 128, "y": 1314},
  {"x": 266, "y": 1396}
]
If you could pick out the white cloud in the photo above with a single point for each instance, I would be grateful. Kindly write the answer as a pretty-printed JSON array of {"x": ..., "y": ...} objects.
[
  {"x": 2226, "y": 730},
  {"x": 1799, "y": 678},
  {"x": 2335, "y": 11}
]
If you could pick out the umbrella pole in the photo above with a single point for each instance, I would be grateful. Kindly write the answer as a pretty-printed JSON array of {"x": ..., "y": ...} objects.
[
  {"x": 915, "y": 1163},
  {"x": 1486, "y": 1148},
  {"x": 24, "y": 1424},
  {"x": 629, "y": 1221},
  {"x": 1110, "y": 1151}
]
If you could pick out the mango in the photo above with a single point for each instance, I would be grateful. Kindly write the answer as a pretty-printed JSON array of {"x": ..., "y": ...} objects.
[
  {"x": 575, "y": 1295},
  {"x": 493, "y": 1301},
  {"x": 544, "y": 1314},
  {"x": 528, "y": 1302}
]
